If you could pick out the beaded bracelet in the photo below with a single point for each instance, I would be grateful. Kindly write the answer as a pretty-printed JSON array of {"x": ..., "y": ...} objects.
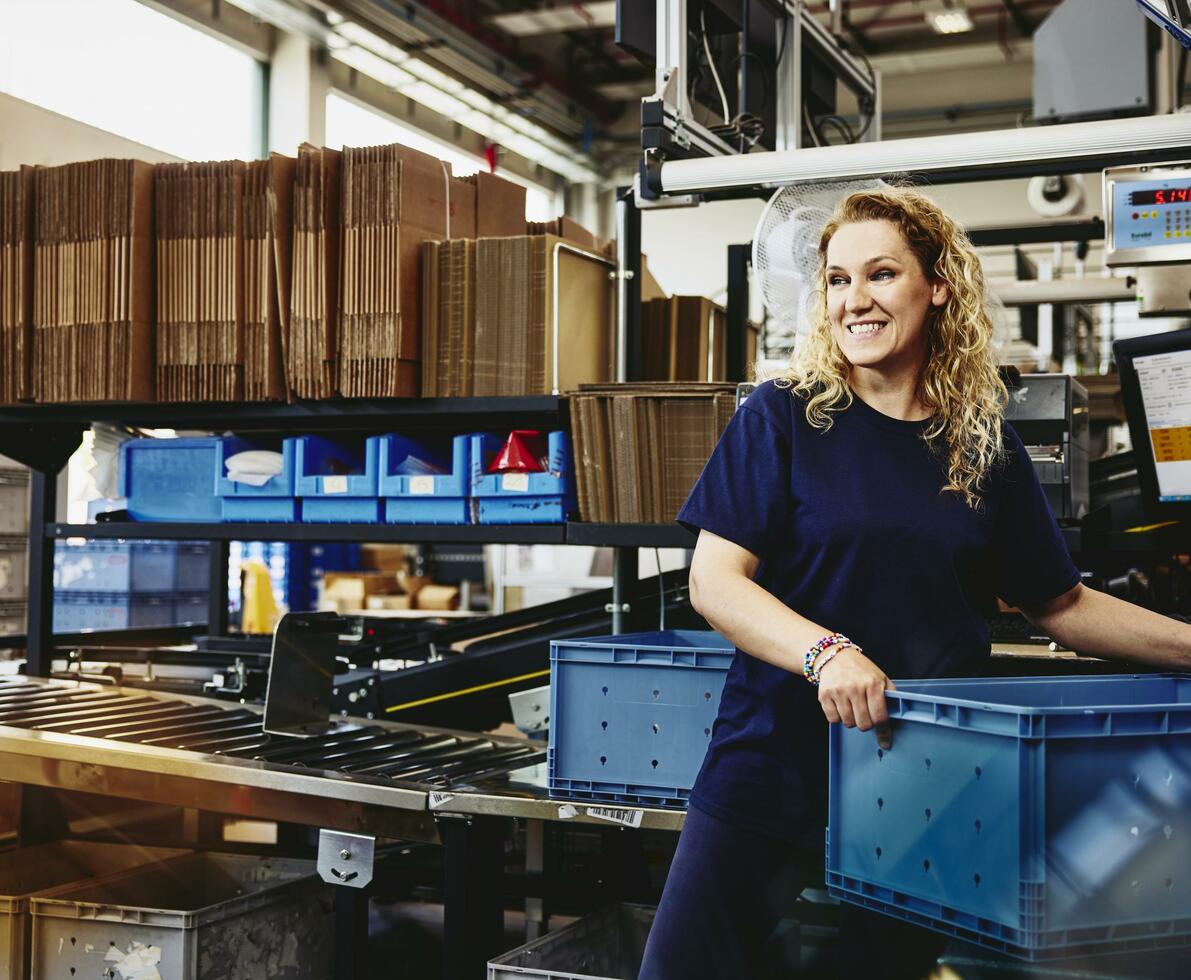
[
  {"x": 829, "y": 656},
  {"x": 808, "y": 662}
]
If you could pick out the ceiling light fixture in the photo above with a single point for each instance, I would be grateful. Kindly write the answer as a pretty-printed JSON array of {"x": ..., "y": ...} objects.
[{"x": 948, "y": 17}]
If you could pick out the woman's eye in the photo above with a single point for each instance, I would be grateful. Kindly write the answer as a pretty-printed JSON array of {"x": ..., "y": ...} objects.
[
  {"x": 836, "y": 281},
  {"x": 883, "y": 274}
]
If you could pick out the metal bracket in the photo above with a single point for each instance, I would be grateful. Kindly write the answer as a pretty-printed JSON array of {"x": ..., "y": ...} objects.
[
  {"x": 612, "y": 607},
  {"x": 345, "y": 859}
]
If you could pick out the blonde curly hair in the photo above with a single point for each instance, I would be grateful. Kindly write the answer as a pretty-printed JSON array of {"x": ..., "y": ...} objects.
[{"x": 959, "y": 382}]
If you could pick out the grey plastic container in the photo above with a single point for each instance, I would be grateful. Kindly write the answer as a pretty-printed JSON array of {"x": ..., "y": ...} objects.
[
  {"x": 28, "y": 870},
  {"x": 14, "y": 502},
  {"x": 198, "y": 917},
  {"x": 14, "y": 566},
  {"x": 606, "y": 945}
]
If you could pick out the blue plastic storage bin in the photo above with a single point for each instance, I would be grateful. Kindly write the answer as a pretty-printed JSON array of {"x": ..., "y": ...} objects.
[
  {"x": 274, "y": 501},
  {"x": 430, "y": 499},
  {"x": 522, "y": 498},
  {"x": 1042, "y": 817},
  {"x": 631, "y": 715},
  {"x": 336, "y": 479},
  {"x": 116, "y": 566},
  {"x": 189, "y": 608},
  {"x": 173, "y": 479},
  {"x": 193, "y": 573},
  {"x": 76, "y": 611}
]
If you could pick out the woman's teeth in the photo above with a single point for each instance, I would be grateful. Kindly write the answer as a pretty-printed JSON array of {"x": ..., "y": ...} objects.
[{"x": 864, "y": 328}]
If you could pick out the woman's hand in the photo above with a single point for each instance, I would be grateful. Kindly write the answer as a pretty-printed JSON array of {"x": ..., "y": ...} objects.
[{"x": 852, "y": 691}]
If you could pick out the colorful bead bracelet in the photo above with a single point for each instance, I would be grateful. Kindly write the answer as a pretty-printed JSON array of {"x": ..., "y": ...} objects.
[{"x": 810, "y": 669}]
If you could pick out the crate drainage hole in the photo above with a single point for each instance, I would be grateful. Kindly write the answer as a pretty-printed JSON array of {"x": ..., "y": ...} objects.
[
  {"x": 878, "y": 854},
  {"x": 880, "y": 753},
  {"x": 880, "y": 803},
  {"x": 1169, "y": 883},
  {"x": 603, "y": 760},
  {"x": 928, "y": 813},
  {"x": 604, "y": 725},
  {"x": 927, "y": 761},
  {"x": 706, "y": 695},
  {"x": 926, "y": 865},
  {"x": 605, "y": 690},
  {"x": 978, "y": 772},
  {"x": 707, "y": 732},
  {"x": 978, "y": 826},
  {"x": 656, "y": 693},
  {"x": 976, "y": 878},
  {"x": 73, "y": 941},
  {"x": 654, "y": 763},
  {"x": 656, "y": 728}
]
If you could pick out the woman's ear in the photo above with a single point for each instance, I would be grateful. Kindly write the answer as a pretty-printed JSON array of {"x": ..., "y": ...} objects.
[{"x": 940, "y": 292}]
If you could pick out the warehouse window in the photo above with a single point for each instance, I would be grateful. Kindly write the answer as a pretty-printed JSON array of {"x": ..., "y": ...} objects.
[
  {"x": 151, "y": 79},
  {"x": 350, "y": 124}
]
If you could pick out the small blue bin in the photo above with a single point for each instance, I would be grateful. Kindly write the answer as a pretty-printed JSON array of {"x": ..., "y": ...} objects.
[
  {"x": 77, "y": 611},
  {"x": 193, "y": 573},
  {"x": 631, "y": 715},
  {"x": 274, "y": 501},
  {"x": 336, "y": 479},
  {"x": 431, "y": 499},
  {"x": 1042, "y": 817},
  {"x": 116, "y": 566},
  {"x": 522, "y": 498},
  {"x": 190, "y": 607},
  {"x": 173, "y": 479}
]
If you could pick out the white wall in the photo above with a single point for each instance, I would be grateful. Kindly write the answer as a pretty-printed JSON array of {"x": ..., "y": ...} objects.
[{"x": 33, "y": 135}]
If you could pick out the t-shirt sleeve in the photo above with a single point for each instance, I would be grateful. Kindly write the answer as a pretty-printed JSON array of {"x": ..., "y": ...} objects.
[
  {"x": 743, "y": 493},
  {"x": 1030, "y": 559}
]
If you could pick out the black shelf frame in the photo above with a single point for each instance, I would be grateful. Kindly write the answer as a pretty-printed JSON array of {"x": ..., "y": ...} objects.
[{"x": 372, "y": 533}]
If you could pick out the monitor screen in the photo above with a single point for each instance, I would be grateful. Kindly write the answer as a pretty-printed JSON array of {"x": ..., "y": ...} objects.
[{"x": 1155, "y": 376}]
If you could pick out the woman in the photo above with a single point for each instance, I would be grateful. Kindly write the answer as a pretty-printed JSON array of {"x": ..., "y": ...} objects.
[{"x": 854, "y": 521}]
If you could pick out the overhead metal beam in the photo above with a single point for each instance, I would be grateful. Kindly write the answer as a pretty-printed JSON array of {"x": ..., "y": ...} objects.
[
  {"x": 1025, "y": 26},
  {"x": 998, "y": 154}
]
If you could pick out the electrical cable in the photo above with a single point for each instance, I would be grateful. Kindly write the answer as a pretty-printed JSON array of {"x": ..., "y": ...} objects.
[
  {"x": 711, "y": 64},
  {"x": 841, "y": 127}
]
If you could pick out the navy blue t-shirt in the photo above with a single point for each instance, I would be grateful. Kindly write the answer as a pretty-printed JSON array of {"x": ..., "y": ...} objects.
[{"x": 854, "y": 534}]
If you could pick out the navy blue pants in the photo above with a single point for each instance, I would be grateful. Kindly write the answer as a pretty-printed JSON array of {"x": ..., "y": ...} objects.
[{"x": 728, "y": 889}]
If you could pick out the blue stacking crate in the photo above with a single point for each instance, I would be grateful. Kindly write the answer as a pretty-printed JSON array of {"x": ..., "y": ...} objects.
[
  {"x": 116, "y": 566},
  {"x": 273, "y": 501},
  {"x": 336, "y": 479},
  {"x": 76, "y": 611},
  {"x": 173, "y": 479},
  {"x": 430, "y": 499},
  {"x": 1042, "y": 817},
  {"x": 193, "y": 572},
  {"x": 189, "y": 607},
  {"x": 631, "y": 715},
  {"x": 522, "y": 498}
]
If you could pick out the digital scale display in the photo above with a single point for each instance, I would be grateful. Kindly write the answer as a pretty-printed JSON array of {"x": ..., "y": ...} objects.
[{"x": 1163, "y": 195}]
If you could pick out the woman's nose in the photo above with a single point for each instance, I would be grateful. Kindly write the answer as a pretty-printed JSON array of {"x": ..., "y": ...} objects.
[{"x": 858, "y": 297}]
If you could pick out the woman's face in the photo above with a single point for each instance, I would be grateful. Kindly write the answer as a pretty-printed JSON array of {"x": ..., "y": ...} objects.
[{"x": 878, "y": 297}]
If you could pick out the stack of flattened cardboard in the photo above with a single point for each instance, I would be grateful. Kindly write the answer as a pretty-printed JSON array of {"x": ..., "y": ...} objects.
[
  {"x": 394, "y": 199},
  {"x": 309, "y": 340},
  {"x": 565, "y": 228},
  {"x": 268, "y": 230},
  {"x": 200, "y": 281},
  {"x": 684, "y": 338},
  {"x": 543, "y": 317},
  {"x": 16, "y": 284},
  {"x": 639, "y": 448},
  {"x": 93, "y": 282},
  {"x": 449, "y": 318}
]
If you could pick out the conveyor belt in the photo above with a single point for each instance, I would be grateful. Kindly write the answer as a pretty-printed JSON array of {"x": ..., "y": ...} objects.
[{"x": 197, "y": 752}]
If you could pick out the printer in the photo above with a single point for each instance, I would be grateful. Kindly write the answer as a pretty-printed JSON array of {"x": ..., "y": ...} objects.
[{"x": 1050, "y": 413}]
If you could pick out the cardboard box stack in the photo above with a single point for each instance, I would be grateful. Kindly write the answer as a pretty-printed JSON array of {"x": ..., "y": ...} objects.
[
  {"x": 200, "y": 281},
  {"x": 268, "y": 258},
  {"x": 684, "y": 338},
  {"x": 639, "y": 448},
  {"x": 93, "y": 282},
  {"x": 16, "y": 284},
  {"x": 394, "y": 199},
  {"x": 309, "y": 340}
]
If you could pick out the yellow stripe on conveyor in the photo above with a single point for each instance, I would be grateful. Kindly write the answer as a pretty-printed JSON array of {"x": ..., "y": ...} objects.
[{"x": 469, "y": 690}]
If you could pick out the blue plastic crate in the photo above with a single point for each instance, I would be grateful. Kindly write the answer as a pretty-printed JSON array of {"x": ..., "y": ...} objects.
[
  {"x": 1042, "y": 817},
  {"x": 522, "y": 498},
  {"x": 631, "y": 715},
  {"x": 430, "y": 499},
  {"x": 193, "y": 572},
  {"x": 336, "y": 479},
  {"x": 76, "y": 611},
  {"x": 173, "y": 479},
  {"x": 116, "y": 566},
  {"x": 189, "y": 607},
  {"x": 274, "y": 501}
]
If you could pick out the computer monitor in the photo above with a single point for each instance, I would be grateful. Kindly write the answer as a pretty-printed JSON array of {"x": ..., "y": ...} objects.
[{"x": 1155, "y": 374}]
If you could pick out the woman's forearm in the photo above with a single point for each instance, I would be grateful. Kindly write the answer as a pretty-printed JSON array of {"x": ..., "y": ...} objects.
[
  {"x": 1101, "y": 625},
  {"x": 754, "y": 620}
]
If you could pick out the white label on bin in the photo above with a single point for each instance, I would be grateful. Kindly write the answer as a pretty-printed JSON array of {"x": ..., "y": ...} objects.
[
  {"x": 567, "y": 812},
  {"x": 440, "y": 800},
  {"x": 626, "y": 818},
  {"x": 139, "y": 963},
  {"x": 421, "y": 484},
  {"x": 334, "y": 484},
  {"x": 515, "y": 482}
]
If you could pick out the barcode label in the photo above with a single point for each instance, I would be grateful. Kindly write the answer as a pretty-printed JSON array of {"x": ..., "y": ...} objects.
[
  {"x": 440, "y": 799},
  {"x": 334, "y": 484},
  {"x": 515, "y": 482},
  {"x": 421, "y": 484},
  {"x": 626, "y": 818}
]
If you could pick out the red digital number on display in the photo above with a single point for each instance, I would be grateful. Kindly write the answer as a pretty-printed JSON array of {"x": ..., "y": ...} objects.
[{"x": 1173, "y": 196}]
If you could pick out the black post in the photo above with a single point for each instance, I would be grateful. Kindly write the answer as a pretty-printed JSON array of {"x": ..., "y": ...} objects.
[
  {"x": 738, "y": 311},
  {"x": 217, "y": 557},
  {"x": 351, "y": 933},
  {"x": 628, "y": 221},
  {"x": 473, "y": 901},
  {"x": 43, "y": 503}
]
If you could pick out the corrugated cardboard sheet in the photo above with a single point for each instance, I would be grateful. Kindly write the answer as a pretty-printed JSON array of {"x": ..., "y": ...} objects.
[
  {"x": 310, "y": 339},
  {"x": 16, "y": 285},
  {"x": 639, "y": 448},
  {"x": 93, "y": 282},
  {"x": 684, "y": 338}
]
